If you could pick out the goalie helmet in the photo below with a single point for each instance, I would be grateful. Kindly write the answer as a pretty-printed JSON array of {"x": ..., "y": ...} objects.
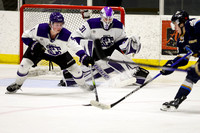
[
  {"x": 107, "y": 17},
  {"x": 56, "y": 17},
  {"x": 180, "y": 16}
]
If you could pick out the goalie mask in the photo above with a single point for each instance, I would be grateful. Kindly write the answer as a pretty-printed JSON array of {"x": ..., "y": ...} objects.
[{"x": 107, "y": 17}]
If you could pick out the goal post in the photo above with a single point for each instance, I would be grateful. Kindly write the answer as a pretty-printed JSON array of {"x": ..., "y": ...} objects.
[{"x": 33, "y": 14}]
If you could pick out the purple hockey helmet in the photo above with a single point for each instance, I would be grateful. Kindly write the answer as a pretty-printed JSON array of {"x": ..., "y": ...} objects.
[
  {"x": 56, "y": 17},
  {"x": 107, "y": 15}
]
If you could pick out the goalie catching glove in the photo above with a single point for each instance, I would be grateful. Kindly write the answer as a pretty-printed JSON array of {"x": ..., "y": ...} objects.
[{"x": 131, "y": 45}]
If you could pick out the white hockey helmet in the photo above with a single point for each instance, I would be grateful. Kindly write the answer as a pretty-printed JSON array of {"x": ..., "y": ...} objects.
[{"x": 107, "y": 15}]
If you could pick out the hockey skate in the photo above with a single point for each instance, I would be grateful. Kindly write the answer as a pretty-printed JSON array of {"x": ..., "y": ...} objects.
[
  {"x": 87, "y": 87},
  {"x": 173, "y": 105},
  {"x": 61, "y": 83},
  {"x": 13, "y": 88}
]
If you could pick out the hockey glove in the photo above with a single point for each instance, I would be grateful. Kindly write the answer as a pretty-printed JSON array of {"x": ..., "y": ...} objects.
[
  {"x": 131, "y": 45},
  {"x": 88, "y": 60},
  {"x": 37, "y": 48},
  {"x": 168, "y": 64},
  {"x": 196, "y": 52}
]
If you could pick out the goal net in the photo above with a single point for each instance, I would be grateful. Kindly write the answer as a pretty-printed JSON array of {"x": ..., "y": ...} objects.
[{"x": 31, "y": 15}]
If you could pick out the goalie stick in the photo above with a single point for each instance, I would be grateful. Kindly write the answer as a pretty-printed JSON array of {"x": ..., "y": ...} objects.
[{"x": 105, "y": 106}]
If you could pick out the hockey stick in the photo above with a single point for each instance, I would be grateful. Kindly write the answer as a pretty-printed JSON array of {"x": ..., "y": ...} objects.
[
  {"x": 100, "y": 53},
  {"x": 95, "y": 89},
  {"x": 93, "y": 82},
  {"x": 105, "y": 106}
]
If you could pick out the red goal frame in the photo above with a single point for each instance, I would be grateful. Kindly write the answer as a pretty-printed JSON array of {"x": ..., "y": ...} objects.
[{"x": 120, "y": 9}]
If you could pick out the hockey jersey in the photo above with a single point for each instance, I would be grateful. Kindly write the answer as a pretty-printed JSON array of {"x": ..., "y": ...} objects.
[
  {"x": 54, "y": 47},
  {"x": 191, "y": 36},
  {"x": 92, "y": 29}
]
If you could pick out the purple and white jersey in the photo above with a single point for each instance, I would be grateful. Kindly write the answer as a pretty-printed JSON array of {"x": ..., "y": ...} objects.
[
  {"x": 61, "y": 44},
  {"x": 92, "y": 29}
]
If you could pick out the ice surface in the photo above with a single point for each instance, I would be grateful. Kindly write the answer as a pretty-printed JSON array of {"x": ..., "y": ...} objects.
[{"x": 42, "y": 107}]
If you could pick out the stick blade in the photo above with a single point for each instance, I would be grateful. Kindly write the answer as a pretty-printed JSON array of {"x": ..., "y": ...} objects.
[{"x": 99, "y": 105}]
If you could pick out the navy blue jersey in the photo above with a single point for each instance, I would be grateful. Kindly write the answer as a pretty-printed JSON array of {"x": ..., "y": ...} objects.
[{"x": 191, "y": 36}]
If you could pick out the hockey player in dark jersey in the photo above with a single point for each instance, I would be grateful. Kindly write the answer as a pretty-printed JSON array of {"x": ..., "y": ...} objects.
[
  {"x": 52, "y": 42},
  {"x": 115, "y": 44},
  {"x": 189, "y": 31}
]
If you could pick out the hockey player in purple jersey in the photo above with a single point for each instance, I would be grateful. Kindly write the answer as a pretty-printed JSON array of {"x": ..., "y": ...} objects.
[
  {"x": 189, "y": 31},
  {"x": 115, "y": 44},
  {"x": 52, "y": 42}
]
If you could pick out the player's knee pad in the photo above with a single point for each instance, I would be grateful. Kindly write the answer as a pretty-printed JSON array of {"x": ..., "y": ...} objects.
[
  {"x": 24, "y": 66},
  {"x": 193, "y": 73}
]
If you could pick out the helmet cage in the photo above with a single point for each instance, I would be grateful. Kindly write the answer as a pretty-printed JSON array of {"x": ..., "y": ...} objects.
[{"x": 107, "y": 15}]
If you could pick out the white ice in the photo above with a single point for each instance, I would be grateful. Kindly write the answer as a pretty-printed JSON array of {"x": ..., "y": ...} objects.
[{"x": 42, "y": 107}]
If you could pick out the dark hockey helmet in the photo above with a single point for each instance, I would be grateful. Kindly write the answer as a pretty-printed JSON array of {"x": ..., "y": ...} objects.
[
  {"x": 180, "y": 16},
  {"x": 56, "y": 17}
]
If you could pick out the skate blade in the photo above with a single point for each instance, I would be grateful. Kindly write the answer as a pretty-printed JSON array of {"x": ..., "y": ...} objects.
[
  {"x": 8, "y": 92},
  {"x": 168, "y": 109}
]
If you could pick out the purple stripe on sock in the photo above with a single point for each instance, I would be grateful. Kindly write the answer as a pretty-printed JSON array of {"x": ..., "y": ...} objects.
[{"x": 20, "y": 74}]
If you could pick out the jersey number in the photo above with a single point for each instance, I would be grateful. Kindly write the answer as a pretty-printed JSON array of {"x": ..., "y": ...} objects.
[{"x": 82, "y": 29}]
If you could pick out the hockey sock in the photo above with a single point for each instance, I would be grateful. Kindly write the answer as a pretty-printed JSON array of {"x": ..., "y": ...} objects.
[
  {"x": 184, "y": 89},
  {"x": 23, "y": 70}
]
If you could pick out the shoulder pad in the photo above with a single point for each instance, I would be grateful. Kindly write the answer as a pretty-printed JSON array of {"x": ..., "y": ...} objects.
[
  {"x": 117, "y": 24},
  {"x": 43, "y": 30},
  {"x": 64, "y": 34},
  {"x": 94, "y": 23}
]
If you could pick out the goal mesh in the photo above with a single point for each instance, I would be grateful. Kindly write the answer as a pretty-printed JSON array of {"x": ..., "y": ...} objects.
[{"x": 31, "y": 15}]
